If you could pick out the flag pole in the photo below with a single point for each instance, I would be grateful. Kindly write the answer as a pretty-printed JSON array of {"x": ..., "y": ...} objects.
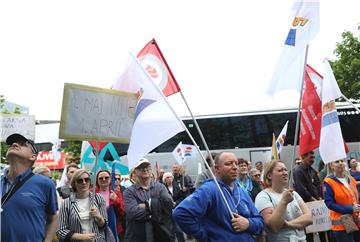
[
  {"x": 351, "y": 103},
  {"x": 95, "y": 165},
  {"x": 298, "y": 119},
  {"x": 189, "y": 134}
]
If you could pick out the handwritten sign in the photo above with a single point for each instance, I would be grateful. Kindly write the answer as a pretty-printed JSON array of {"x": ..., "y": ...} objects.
[
  {"x": 17, "y": 123},
  {"x": 320, "y": 215},
  {"x": 91, "y": 113}
]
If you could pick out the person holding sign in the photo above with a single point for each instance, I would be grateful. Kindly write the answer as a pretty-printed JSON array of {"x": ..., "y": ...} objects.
[
  {"x": 284, "y": 211},
  {"x": 82, "y": 216},
  {"x": 342, "y": 199}
]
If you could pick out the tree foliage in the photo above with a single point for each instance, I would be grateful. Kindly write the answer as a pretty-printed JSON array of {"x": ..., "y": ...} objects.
[
  {"x": 346, "y": 67},
  {"x": 73, "y": 149}
]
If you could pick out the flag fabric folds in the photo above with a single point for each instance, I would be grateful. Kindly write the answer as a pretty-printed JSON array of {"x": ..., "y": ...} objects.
[
  {"x": 310, "y": 124},
  {"x": 331, "y": 141},
  {"x": 179, "y": 153},
  {"x": 281, "y": 138},
  {"x": 274, "y": 153},
  {"x": 304, "y": 27},
  {"x": 153, "y": 61},
  {"x": 154, "y": 121}
]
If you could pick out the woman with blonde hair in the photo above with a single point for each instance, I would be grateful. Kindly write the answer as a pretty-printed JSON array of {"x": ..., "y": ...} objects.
[
  {"x": 342, "y": 198},
  {"x": 284, "y": 212},
  {"x": 82, "y": 216}
]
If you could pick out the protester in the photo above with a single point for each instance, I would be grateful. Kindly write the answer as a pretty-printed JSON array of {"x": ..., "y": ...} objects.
[
  {"x": 42, "y": 170},
  {"x": 244, "y": 179},
  {"x": 65, "y": 191},
  {"x": 114, "y": 203},
  {"x": 205, "y": 216},
  {"x": 148, "y": 206},
  {"x": 201, "y": 178},
  {"x": 260, "y": 167},
  {"x": 257, "y": 184},
  {"x": 182, "y": 180},
  {"x": 161, "y": 173},
  {"x": 284, "y": 211},
  {"x": 29, "y": 203},
  {"x": 342, "y": 198},
  {"x": 307, "y": 185},
  {"x": 118, "y": 186},
  {"x": 174, "y": 190},
  {"x": 353, "y": 164},
  {"x": 82, "y": 216}
]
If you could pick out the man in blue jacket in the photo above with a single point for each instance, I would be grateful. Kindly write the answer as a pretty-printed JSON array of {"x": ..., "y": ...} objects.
[{"x": 204, "y": 214}]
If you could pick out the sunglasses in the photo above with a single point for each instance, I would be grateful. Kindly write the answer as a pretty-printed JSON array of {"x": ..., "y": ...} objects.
[
  {"x": 117, "y": 179},
  {"x": 257, "y": 175},
  {"x": 25, "y": 143},
  {"x": 83, "y": 180},
  {"x": 104, "y": 178}
]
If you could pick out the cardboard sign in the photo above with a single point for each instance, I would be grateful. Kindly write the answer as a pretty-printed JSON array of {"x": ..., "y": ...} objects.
[
  {"x": 91, "y": 113},
  {"x": 320, "y": 215},
  {"x": 17, "y": 123}
]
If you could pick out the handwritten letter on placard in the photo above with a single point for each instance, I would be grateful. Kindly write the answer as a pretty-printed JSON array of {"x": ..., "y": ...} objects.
[
  {"x": 91, "y": 113},
  {"x": 17, "y": 123}
]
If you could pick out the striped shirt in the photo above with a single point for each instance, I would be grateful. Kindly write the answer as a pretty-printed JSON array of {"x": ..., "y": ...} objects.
[{"x": 69, "y": 218}]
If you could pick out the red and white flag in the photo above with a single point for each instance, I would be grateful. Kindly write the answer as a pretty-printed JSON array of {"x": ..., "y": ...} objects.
[
  {"x": 154, "y": 63},
  {"x": 311, "y": 112}
]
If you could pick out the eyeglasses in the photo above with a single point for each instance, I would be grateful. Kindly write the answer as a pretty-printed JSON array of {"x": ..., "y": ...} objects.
[
  {"x": 26, "y": 143},
  {"x": 117, "y": 179},
  {"x": 104, "y": 178},
  {"x": 257, "y": 175},
  {"x": 83, "y": 180}
]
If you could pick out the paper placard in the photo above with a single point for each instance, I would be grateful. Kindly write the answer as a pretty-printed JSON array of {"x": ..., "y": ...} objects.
[
  {"x": 17, "y": 123},
  {"x": 91, "y": 113},
  {"x": 320, "y": 216}
]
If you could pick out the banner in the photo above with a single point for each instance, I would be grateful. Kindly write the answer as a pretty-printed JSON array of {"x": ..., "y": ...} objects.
[{"x": 47, "y": 159}]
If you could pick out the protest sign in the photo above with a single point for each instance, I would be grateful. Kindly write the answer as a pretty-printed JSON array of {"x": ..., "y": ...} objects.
[
  {"x": 47, "y": 158},
  {"x": 91, "y": 113},
  {"x": 17, "y": 123},
  {"x": 320, "y": 216}
]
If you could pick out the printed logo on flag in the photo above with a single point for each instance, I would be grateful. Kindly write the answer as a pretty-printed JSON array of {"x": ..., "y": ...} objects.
[
  {"x": 280, "y": 141},
  {"x": 155, "y": 69},
  {"x": 179, "y": 152},
  {"x": 188, "y": 151},
  {"x": 291, "y": 38}
]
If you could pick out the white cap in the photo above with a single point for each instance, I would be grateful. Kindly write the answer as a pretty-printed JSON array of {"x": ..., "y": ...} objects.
[{"x": 141, "y": 161}]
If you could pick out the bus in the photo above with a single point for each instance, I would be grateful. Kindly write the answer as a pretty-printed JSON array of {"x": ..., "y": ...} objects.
[{"x": 249, "y": 135}]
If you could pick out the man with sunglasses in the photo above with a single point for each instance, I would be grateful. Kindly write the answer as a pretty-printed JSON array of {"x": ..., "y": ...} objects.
[
  {"x": 144, "y": 202},
  {"x": 29, "y": 203}
]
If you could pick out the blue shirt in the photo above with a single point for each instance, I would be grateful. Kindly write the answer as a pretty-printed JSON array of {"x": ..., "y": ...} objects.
[
  {"x": 204, "y": 214},
  {"x": 24, "y": 215}
]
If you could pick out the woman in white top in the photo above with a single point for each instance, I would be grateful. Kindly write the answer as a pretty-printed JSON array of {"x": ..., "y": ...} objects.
[
  {"x": 82, "y": 216},
  {"x": 284, "y": 212}
]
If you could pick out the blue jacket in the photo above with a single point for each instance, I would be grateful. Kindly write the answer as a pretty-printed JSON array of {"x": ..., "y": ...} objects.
[{"x": 204, "y": 214}]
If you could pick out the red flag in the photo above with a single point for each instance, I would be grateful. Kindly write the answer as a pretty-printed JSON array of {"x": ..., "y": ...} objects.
[
  {"x": 101, "y": 145},
  {"x": 157, "y": 170},
  {"x": 156, "y": 66},
  {"x": 311, "y": 113}
]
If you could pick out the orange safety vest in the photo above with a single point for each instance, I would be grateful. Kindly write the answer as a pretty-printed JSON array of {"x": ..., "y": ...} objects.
[{"x": 343, "y": 196}]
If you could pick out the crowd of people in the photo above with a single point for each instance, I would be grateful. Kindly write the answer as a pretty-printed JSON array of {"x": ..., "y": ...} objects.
[{"x": 246, "y": 202}]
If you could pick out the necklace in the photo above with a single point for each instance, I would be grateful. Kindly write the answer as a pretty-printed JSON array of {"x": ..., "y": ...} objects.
[{"x": 232, "y": 199}]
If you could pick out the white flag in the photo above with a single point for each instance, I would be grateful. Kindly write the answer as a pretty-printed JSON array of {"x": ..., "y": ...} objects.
[
  {"x": 281, "y": 138},
  {"x": 189, "y": 151},
  {"x": 304, "y": 27},
  {"x": 155, "y": 121},
  {"x": 331, "y": 140},
  {"x": 178, "y": 153}
]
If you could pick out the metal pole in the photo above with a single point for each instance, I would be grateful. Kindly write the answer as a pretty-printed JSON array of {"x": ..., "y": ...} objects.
[
  {"x": 298, "y": 119},
  {"x": 95, "y": 165},
  {"x": 356, "y": 108}
]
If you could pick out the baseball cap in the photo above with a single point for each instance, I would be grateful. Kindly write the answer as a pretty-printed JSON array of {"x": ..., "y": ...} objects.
[
  {"x": 18, "y": 137},
  {"x": 141, "y": 161}
]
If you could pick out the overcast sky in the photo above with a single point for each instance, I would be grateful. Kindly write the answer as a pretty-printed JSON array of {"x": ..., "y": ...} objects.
[{"x": 222, "y": 53}]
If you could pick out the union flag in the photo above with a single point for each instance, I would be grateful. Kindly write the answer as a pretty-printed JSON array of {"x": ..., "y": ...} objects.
[{"x": 154, "y": 63}]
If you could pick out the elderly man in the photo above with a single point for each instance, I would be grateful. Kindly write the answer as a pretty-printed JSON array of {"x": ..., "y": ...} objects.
[
  {"x": 204, "y": 214},
  {"x": 148, "y": 206},
  {"x": 28, "y": 200}
]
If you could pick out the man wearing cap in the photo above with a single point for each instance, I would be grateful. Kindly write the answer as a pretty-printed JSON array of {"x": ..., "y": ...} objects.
[
  {"x": 28, "y": 201},
  {"x": 144, "y": 202}
]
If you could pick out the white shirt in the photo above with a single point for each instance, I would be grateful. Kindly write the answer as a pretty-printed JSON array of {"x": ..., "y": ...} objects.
[{"x": 84, "y": 213}]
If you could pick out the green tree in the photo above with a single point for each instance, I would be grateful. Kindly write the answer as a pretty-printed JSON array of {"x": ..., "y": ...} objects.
[
  {"x": 346, "y": 67},
  {"x": 73, "y": 149}
]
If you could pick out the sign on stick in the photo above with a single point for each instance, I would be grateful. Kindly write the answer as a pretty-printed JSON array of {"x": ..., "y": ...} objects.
[
  {"x": 91, "y": 113},
  {"x": 320, "y": 216},
  {"x": 17, "y": 123}
]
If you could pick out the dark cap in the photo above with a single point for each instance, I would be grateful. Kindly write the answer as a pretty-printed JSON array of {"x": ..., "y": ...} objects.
[{"x": 14, "y": 138}]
